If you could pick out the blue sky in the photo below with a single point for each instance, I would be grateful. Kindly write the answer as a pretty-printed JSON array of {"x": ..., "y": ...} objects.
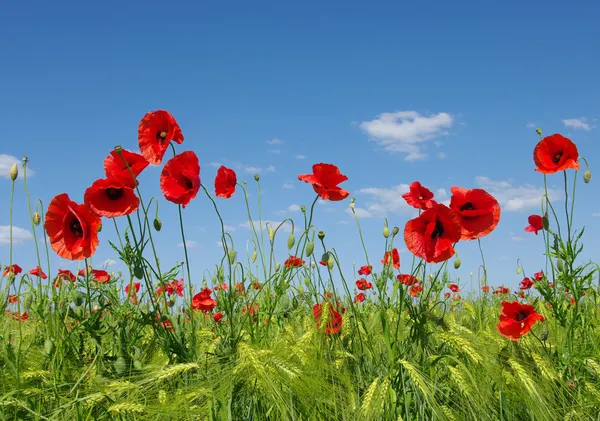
[{"x": 391, "y": 92}]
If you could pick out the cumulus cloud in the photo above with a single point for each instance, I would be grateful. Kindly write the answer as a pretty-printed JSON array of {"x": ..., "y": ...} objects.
[
  {"x": 7, "y": 161},
  {"x": 406, "y": 131},
  {"x": 581, "y": 123},
  {"x": 109, "y": 262},
  {"x": 288, "y": 186},
  {"x": 275, "y": 142},
  {"x": 291, "y": 208},
  {"x": 19, "y": 235},
  {"x": 300, "y": 156},
  {"x": 188, "y": 243},
  {"x": 516, "y": 198}
]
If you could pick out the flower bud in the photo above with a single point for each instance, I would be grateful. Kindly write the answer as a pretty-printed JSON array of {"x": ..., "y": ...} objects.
[
  {"x": 303, "y": 208},
  {"x": 330, "y": 262},
  {"x": 232, "y": 256},
  {"x": 100, "y": 227},
  {"x": 539, "y": 131},
  {"x": 271, "y": 234},
  {"x": 352, "y": 199},
  {"x": 518, "y": 270},
  {"x": 37, "y": 219},
  {"x": 14, "y": 172},
  {"x": 386, "y": 230},
  {"x": 587, "y": 176},
  {"x": 310, "y": 247},
  {"x": 300, "y": 289},
  {"x": 395, "y": 231},
  {"x": 456, "y": 263},
  {"x": 313, "y": 265},
  {"x": 291, "y": 241},
  {"x": 254, "y": 254},
  {"x": 157, "y": 224},
  {"x": 277, "y": 267},
  {"x": 321, "y": 235},
  {"x": 560, "y": 265},
  {"x": 256, "y": 177},
  {"x": 351, "y": 205}
]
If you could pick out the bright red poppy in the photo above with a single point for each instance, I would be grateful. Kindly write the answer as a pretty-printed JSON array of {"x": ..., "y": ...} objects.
[
  {"x": 38, "y": 272},
  {"x": 13, "y": 269},
  {"x": 203, "y": 301},
  {"x": 365, "y": 270},
  {"x": 225, "y": 182},
  {"x": 431, "y": 235},
  {"x": 360, "y": 297},
  {"x": 217, "y": 317},
  {"x": 418, "y": 196},
  {"x": 536, "y": 224},
  {"x": 517, "y": 319},
  {"x": 526, "y": 283},
  {"x": 415, "y": 290},
  {"x": 125, "y": 168},
  {"x": 538, "y": 276},
  {"x": 155, "y": 132},
  {"x": 485, "y": 288},
  {"x": 180, "y": 178},
  {"x": 136, "y": 286},
  {"x": 293, "y": 262},
  {"x": 502, "y": 290},
  {"x": 110, "y": 198},
  {"x": 407, "y": 279},
  {"x": 23, "y": 317},
  {"x": 479, "y": 211},
  {"x": 13, "y": 299},
  {"x": 100, "y": 275},
  {"x": 454, "y": 288},
  {"x": 325, "y": 179},
  {"x": 334, "y": 319},
  {"x": 555, "y": 153},
  {"x": 363, "y": 284},
  {"x": 71, "y": 228},
  {"x": 391, "y": 259},
  {"x": 64, "y": 274}
]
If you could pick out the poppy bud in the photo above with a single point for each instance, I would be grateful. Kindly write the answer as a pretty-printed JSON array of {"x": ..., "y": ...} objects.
[
  {"x": 37, "y": 219},
  {"x": 330, "y": 262},
  {"x": 14, "y": 172},
  {"x": 78, "y": 299},
  {"x": 157, "y": 224},
  {"x": 172, "y": 301},
  {"x": 303, "y": 208},
  {"x": 325, "y": 257},
  {"x": 256, "y": 177},
  {"x": 100, "y": 226},
  {"x": 313, "y": 265},
  {"x": 321, "y": 235},
  {"x": 456, "y": 263},
  {"x": 386, "y": 230},
  {"x": 271, "y": 234},
  {"x": 560, "y": 265},
  {"x": 118, "y": 149},
  {"x": 539, "y": 131},
  {"x": 232, "y": 256},
  {"x": 300, "y": 289},
  {"x": 28, "y": 301},
  {"x": 277, "y": 267},
  {"x": 352, "y": 199},
  {"x": 310, "y": 247},
  {"x": 48, "y": 346},
  {"x": 518, "y": 270},
  {"x": 351, "y": 205},
  {"x": 291, "y": 241},
  {"x": 587, "y": 176},
  {"x": 254, "y": 254},
  {"x": 545, "y": 222},
  {"x": 138, "y": 272},
  {"x": 395, "y": 231}
]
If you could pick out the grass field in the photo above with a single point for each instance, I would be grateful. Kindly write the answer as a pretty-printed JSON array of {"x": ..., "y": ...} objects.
[{"x": 298, "y": 339}]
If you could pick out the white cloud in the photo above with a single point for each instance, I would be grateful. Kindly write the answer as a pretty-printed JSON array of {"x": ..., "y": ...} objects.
[
  {"x": 503, "y": 258},
  {"x": 406, "y": 131},
  {"x": 275, "y": 151},
  {"x": 229, "y": 227},
  {"x": 188, "y": 243},
  {"x": 259, "y": 170},
  {"x": 342, "y": 222},
  {"x": 382, "y": 201},
  {"x": 215, "y": 164},
  {"x": 516, "y": 198},
  {"x": 288, "y": 186},
  {"x": 516, "y": 237},
  {"x": 287, "y": 227},
  {"x": 596, "y": 214},
  {"x": 300, "y": 156},
  {"x": 275, "y": 142},
  {"x": 530, "y": 125},
  {"x": 578, "y": 123},
  {"x": 220, "y": 244},
  {"x": 7, "y": 161},
  {"x": 441, "y": 155},
  {"x": 20, "y": 235},
  {"x": 109, "y": 262},
  {"x": 360, "y": 212},
  {"x": 291, "y": 208}
]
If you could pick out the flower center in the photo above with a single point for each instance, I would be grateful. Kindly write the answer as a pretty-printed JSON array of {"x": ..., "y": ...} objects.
[
  {"x": 420, "y": 197},
  {"x": 467, "y": 206},
  {"x": 161, "y": 136},
  {"x": 557, "y": 157},
  {"x": 188, "y": 183},
  {"x": 438, "y": 231},
  {"x": 521, "y": 316},
  {"x": 75, "y": 227},
  {"x": 113, "y": 193}
]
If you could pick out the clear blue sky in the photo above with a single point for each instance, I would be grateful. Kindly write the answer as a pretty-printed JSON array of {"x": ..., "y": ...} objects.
[{"x": 471, "y": 80}]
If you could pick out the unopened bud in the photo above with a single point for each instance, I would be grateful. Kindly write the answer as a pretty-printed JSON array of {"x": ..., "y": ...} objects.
[
  {"x": 352, "y": 199},
  {"x": 351, "y": 205},
  {"x": 395, "y": 231},
  {"x": 456, "y": 263},
  {"x": 313, "y": 265},
  {"x": 254, "y": 254},
  {"x": 256, "y": 177},
  {"x": 330, "y": 262},
  {"x": 37, "y": 218},
  {"x": 157, "y": 224},
  {"x": 277, "y": 267},
  {"x": 539, "y": 131},
  {"x": 303, "y": 208},
  {"x": 386, "y": 230},
  {"x": 560, "y": 265},
  {"x": 100, "y": 226},
  {"x": 321, "y": 235},
  {"x": 587, "y": 176},
  {"x": 545, "y": 222},
  {"x": 291, "y": 241},
  {"x": 232, "y": 256},
  {"x": 14, "y": 172},
  {"x": 271, "y": 234},
  {"x": 518, "y": 270},
  {"x": 310, "y": 247}
]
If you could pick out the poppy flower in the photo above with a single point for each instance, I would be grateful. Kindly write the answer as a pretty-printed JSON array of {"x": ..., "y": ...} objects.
[
  {"x": 110, "y": 198},
  {"x": 293, "y": 262},
  {"x": 64, "y": 274},
  {"x": 407, "y": 279},
  {"x": 203, "y": 301},
  {"x": 502, "y": 291},
  {"x": 418, "y": 196},
  {"x": 180, "y": 178},
  {"x": 456, "y": 297},
  {"x": 360, "y": 297},
  {"x": 225, "y": 182},
  {"x": 517, "y": 319},
  {"x": 536, "y": 223},
  {"x": 431, "y": 235},
  {"x": 177, "y": 286},
  {"x": 454, "y": 288},
  {"x": 155, "y": 131},
  {"x": 250, "y": 308},
  {"x": 101, "y": 276},
  {"x": 38, "y": 272},
  {"x": 538, "y": 276},
  {"x": 325, "y": 179},
  {"x": 256, "y": 285},
  {"x": 223, "y": 287},
  {"x": 23, "y": 317},
  {"x": 363, "y": 284},
  {"x": 365, "y": 270},
  {"x": 136, "y": 286},
  {"x": 334, "y": 319},
  {"x": 446, "y": 295},
  {"x": 13, "y": 299},
  {"x": 555, "y": 153},
  {"x": 391, "y": 258},
  {"x": 12, "y": 269},
  {"x": 217, "y": 317},
  {"x": 485, "y": 288},
  {"x": 526, "y": 283},
  {"x": 415, "y": 290},
  {"x": 478, "y": 211},
  {"x": 125, "y": 168},
  {"x": 71, "y": 228}
]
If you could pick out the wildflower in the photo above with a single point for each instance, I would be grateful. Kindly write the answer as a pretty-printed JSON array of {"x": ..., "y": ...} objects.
[
  {"x": 501, "y": 290},
  {"x": 538, "y": 276},
  {"x": 517, "y": 319},
  {"x": 180, "y": 178},
  {"x": 13, "y": 270},
  {"x": 13, "y": 299},
  {"x": 225, "y": 182},
  {"x": 407, "y": 279},
  {"x": 365, "y": 270},
  {"x": 526, "y": 283},
  {"x": 155, "y": 132},
  {"x": 203, "y": 301},
  {"x": 360, "y": 297},
  {"x": 454, "y": 288},
  {"x": 71, "y": 228},
  {"x": 485, "y": 288},
  {"x": 363, "y": 284},
  {"x": 478, "y": 211},
  {"x": 111, "y": 198},
  {"x": 217, "y": 317},
  {"x": 293, "y": 262},
  {"x": 391, "y": 258},
  {"x": 415, "y": 290},
  {"x": 555, "y": 153},
  {"x": 136, "y": 286},
  {"x": 535, "y": 224},
  {"x": 334, "y": 319},
  {"x": 418, "y": 196},
  {"x": 23, "y": 317},
  {"x": 125, "y": 168},
  {"x": 325, "y": 179},
  {"x": 38, "y": 272},
  {"x": 446, "y": 295}
]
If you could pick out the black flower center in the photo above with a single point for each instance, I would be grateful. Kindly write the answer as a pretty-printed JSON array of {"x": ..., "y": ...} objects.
[
  {"x": 438, "y": 231},
  {"x": 161, "y": 136},
  {"x": 75, "y": 227},
  {"x": 520, "y": 316},
  {"x": 188, "y": 183},
  {"x": 557, "y": 157},
  {"x": 113, "y": 193}
]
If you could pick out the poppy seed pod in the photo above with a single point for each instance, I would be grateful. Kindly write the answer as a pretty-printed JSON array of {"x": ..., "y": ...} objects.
[
  {"x": 310, "y": 247},
  {"x": 395, "y": 231},
  {"x": 256, "y": 177},
  {"x": 254, "y": 255},
  {"x": 303, "y": 208},
  {"x": 321, "y": 235},
  {"x": 232, "y": 256},
  {"x": 291, "y": 241},
  {"x": 157, "y": 224},
  {"x": 456, "y": 263},
  {"x": 538, "y": 131},
  {"x": 14, "y": 172},
  {"x": 271, "y": 234},
  {"x": 587, "y": 176},
  {"x": 36, "y": 219}
]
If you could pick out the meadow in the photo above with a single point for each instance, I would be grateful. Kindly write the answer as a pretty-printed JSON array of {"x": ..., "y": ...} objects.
[{"x": 300, "y": 338}]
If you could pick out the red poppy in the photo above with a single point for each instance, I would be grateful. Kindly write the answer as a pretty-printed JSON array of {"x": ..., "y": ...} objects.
[
  {"x": 217, "y": 317},
  {"x": 415, "y": 290},
  {"x": 38, "y": 272},
  {"x": 203, "y": 301},
  {"x": 125, "y": 168},
  {"x": 240, "y": 288},
  {"x": 12, "y": 269},
  {"x": 223, "y": 287},
  {"x": 111, "y": 198},
  {"x": 454, "y": 288},
  {"x": 456, "y": 297},
  {"x": 365, "y": 270},
  {"x": 72, "y": 228},
  {"x": 446, "y": 295},
  {"x": 101, "y": 276},
  {"x": 431, "y": 235},
  {"x": 516, "y": 319},
  {"x": 256, "y": 285},
  {"x": 293, "y": 262},
  {"x": 225, "y": 182},
  {"x": 334, "y": 319},
  {"x": 250, "y": 308},
  {"x": 485, "y": 288},
  {"x": 360, "y": 297},
  {"x": 555, "y": 153},
  {"x": 13, "y": 299},
  {"x": 180, "y": 178},
  {"x": 64, "y": 274},
  {"x": 478, "y": 211},
  {"x": 325, "y": 179},
  {"x": 538, "y": 276},
  {"x": 363, "y": 284},
  {"x": 391, "y": 258},
  {"x": 521, "y": 294},
  {"x": 418, "y": 196},
  {"x": 136, "y": 286},
  {"x": 536, "y": 223},
  {"x": 177, "y": 286},
  {"x": 23, "y": 317},
  {"x": 407, "y": 279},
  {"x": 502, "y": 291},
  {"x": 156, "y": 130},
  {"x": 526, "y": 283}
]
